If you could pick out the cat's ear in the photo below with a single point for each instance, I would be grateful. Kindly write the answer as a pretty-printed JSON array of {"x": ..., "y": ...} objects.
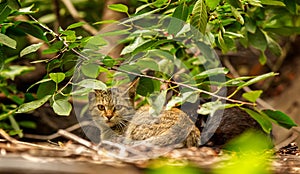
[
  {"x": 133, "y": 87},
  {"x": 92, "y": 96}
]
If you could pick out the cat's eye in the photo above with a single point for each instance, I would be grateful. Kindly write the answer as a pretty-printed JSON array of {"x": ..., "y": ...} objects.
[
  {"x": 118, "y": 107},
  {"x": 101, "y": 107}
]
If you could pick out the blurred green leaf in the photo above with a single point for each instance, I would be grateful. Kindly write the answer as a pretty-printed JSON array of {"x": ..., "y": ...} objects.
[
  {"x": 119, "y": 8},
  {"x": 147, "y": 63},
  {"x": 39, "y": 82},
  {"x": 199, "y": 16},
  {"x": 30, "y": 49},
  {"x": 5, "y": 40},
  {"x": 212, "y": 4},
  {"x": 262, "y": 58},
  {"x": 15, "y": 126},
  {"x": 32, "y": 29},
  {"x": 90, "y": 70},
  {"x": 157, "y": 101},
  {"x": 147, "y": 86},
  {"x": 262, "y": 119},
  {"x": 75, "y": 25},
  {"x": 190, "y": 96},
  {"x": 13, "y": 4},
  {"x": 272, "y": 2},
  {"x": 14, "y": 70},
  {"x": 108, "y": 61},
  {"x": 178, "y": 19},
  {"x": 280, "y": 118},
  {"x": 235, "y": 3},
  {"x": 252, "y": 96},
  {"x": 4, "y": 12},
  {"x": 92, "y": 84},
  {"x": 237, "y": 15},
  {"x": 258, "y": 40},
  {"x": 27, "y": 124},
  {"x": 291, "y": 6},
  {"x": 160, "y": 3},
  {"x": 46, "y": 88},
  {"x": 57, "y": 77},
  {"x": 211, "y": 72},
  {"x": 26, "y": 107},
  {"x": 62, "y": 107},
  {"x": 256, "y": 79}
]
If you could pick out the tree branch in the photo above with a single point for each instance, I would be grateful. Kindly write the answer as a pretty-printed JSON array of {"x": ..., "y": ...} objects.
[{"x": 76, "y": 16}]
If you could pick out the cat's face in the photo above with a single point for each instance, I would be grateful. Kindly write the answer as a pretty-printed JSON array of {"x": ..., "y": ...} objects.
[{"x": 112, "y": 107}]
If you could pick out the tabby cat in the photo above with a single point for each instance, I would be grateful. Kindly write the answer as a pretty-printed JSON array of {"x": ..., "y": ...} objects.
[{"x": 113, "y": 112}]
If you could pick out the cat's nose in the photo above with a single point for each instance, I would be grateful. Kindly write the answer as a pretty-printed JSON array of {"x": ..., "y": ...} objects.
[{"x": 109, "y": 114}]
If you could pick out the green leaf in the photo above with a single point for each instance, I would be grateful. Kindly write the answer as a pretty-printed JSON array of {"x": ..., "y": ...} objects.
[
  {"x": 15, "y": 126},
  {"x": 13, "y": 4},
  {"x": 160, "y": 3},
  {"x": 274, "y": 47},
  {"x": 92, "y": 84},
  {"x": 148, "y": 63},
  {"x": 262, "y": 58},
  {"x": 235, "y": 3},
  {"x": 178, "y": 17},
  {"x": 237, "y": 15},
  {"x": 46, "y": 88},
  {"x": 291, "y": 5},
  {"x": 272, "y": 2},
  {"x": 57, "y": 77},
  {"x": 258, "y": 40},
  {"x": 256, "y": 3},
  {"x": 54, "y": 48},
  {"x": 26, "y": 107},
  {"x": 28, "y": 124},
  {"x": 211, "y": 72},
  {"x": 212, "y": 4},
  {"x": 190, "y": 96},
  {"x": 250, "y": 25},
  {"x": 25, "y": 10},
  {"x": 30, "y": 49},
  {"x": 75, "y": 25},
  {"x": 157, "y": 101},
  {"x": 4, "y": 12},
  {"x": 32, "y": 29},
  {"x": 280, "y": 118},
  {"x": 70, "y": 35},
  {"x": 130, "y": 48},
  {"x": 147, "y": 86},
  {"x": 14, "y": 70},
  {"x": 119, "y": 8},
  {"x": 199, "y": 16},
  {"x": 90, "y": 70},
  {"x": 108, "y": 61},
  {"x": 262, "y": 119},
  {"x": 252, "y": 96},
  {"x": 62, "y": 107},
  {"x": 212, "y": 107},
  {"x": 5, "y": 40},
  {"x": 256, "y": 79},
  {"x": 105, "y": 22},
  {"x": 39, "y": 82}
]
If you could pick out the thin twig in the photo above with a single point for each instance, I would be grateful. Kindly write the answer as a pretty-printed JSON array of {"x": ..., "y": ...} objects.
[
  {"x": 56, "y": 135},
  {"x": 76, "y": 16},
  {"x": 184, "y": 85},
  {"x": 235, "y": 74},
  {"x": 21, "y": 143},
  {"x": 77, "y": 139}
]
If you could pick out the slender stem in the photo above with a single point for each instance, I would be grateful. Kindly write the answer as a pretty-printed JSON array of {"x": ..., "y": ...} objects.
[{"x": 184, "y": 85}]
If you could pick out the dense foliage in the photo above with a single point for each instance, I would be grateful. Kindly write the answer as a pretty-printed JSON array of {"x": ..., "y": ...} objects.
[{"x": 69, "y": 52}]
